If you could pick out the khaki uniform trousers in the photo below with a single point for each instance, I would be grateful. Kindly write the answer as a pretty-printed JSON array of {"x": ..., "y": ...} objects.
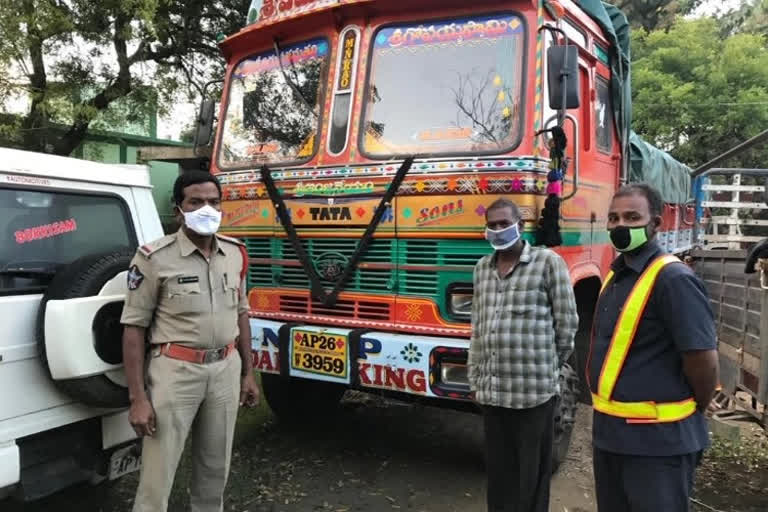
[{"x": 203, "y": 398}]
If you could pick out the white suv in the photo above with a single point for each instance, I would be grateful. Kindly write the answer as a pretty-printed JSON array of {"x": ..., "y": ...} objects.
[{"x": 68, "y": 229}]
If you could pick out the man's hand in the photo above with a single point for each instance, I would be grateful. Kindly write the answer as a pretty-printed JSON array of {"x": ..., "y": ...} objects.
[
  {"x": 472, "y": 396},
  {"x": 249, "y": 391},
  {"x": 702, "y": 370},
  {"x": 142, "y": 417}
]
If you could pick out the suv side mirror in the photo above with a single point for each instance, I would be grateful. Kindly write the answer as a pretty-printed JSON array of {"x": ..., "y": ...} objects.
[
  {"x": 205, "y": 123},
  {"x": 562, "y": 68}
]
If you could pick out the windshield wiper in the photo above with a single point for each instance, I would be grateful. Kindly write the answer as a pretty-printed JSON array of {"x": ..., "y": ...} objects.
[{"x": 291, "y": 84}]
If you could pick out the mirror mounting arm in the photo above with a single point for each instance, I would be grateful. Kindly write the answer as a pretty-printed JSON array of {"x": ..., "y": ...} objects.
[{"x": 205, "y": 118}]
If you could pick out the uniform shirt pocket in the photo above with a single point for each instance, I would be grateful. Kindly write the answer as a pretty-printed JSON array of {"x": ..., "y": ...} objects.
[
  {"x": 184, "y": 297},
  {"x": 233, "y": 296},
  {"x": 227, "y": 290}
]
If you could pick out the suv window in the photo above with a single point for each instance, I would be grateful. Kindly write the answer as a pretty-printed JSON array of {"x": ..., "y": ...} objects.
[{"x": 40, "y": 232}]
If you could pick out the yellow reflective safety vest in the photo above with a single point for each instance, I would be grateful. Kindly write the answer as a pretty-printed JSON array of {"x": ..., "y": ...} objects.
[{"x": 621, "y": 342}]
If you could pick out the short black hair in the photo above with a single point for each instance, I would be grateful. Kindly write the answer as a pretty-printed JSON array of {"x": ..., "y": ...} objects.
[
  {"x": 651, "y": 194},
  {"x": 503, "y": 202},
  {"x": 188, "y": 178}
]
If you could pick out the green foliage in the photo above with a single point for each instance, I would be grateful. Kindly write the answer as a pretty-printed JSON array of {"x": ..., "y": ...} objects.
[
  {"x": 751, "y": 17},
  {"x": 698, "y": 94},
  {"x": 83, "y": 63}
]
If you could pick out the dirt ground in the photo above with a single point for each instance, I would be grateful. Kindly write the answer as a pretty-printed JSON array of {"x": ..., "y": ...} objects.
[{"x": 386, "y": 456}]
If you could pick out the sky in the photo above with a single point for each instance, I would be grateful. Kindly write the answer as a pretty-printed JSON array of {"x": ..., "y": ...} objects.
[{"x": 714, "y": 6}]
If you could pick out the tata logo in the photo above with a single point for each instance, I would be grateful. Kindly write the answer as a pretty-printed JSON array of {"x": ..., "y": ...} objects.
[
  {"x": 330, "y": 213},
  {"x": 330, "y": 265}
]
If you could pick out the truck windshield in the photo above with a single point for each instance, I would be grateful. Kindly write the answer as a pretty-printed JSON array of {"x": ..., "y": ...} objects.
[
  {"x": 447, "y": 87},
  {"x": 268, "y": 119}
]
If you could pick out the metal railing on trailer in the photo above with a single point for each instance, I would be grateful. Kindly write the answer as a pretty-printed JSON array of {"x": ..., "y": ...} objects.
[{"x": 725, "y": 231}]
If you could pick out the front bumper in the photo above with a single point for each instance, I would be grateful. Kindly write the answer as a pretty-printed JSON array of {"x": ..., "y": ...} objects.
[{"x": 413, "y": 364}]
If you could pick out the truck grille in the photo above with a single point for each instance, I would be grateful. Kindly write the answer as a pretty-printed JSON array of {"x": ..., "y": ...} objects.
[
  {"x": 359, "y": 309},
  {"x": 421, "y": 268}
]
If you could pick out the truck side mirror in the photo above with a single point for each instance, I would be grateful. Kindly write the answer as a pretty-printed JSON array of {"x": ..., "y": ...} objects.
[
  {"x": 205, "y": 123},
  {"x": 563, "y": 68}
]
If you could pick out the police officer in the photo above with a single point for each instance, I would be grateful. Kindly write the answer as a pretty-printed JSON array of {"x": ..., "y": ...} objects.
[
  {"x": 653, "y": 366},
  {"x": 186, "y": 295}
]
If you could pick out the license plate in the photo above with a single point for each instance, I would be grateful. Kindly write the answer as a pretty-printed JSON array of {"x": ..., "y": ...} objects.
[
  {"x": 321, "y": 353},
  {"x": 123, "y": 461}
]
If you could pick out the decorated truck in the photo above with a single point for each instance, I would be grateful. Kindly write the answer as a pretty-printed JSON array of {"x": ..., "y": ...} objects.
[{"x": 360, "y": 143}]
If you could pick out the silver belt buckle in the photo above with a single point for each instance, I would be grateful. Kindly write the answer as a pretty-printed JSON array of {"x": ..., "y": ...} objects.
[{"x": 211, "y": 356}]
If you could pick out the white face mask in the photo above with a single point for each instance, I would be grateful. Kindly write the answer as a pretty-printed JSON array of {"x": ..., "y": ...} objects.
[
  {"x": 503, "y": 239},
  {"x": 203, "y": 221}
]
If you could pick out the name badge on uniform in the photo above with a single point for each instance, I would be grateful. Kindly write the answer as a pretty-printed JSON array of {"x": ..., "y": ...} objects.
[{"x": 189, "y": 279}]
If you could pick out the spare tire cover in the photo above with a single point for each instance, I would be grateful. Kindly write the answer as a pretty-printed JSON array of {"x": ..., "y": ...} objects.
[{"x": 87, "y": 277}]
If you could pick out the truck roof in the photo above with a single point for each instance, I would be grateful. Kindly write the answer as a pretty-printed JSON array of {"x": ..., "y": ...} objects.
[{"x": 43, "y": 165}]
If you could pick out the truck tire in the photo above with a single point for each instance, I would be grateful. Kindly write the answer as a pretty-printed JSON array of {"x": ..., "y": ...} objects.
[
  {"x": 292, "y": 399},
  {"x": 565, "y": 415},
  {"x": 582, "y": 342},
  {"x": 85, "y": 277}
]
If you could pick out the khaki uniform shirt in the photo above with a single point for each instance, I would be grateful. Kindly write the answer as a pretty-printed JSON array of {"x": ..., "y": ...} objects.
[{"x": 183, "y": 298}]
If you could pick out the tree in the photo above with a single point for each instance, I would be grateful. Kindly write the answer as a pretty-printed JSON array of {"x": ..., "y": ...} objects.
[
  {"x": 274, "y": 111},
  {"x": 697, "y": 94},
  {"x": 478, "y": 103},
  {"x": 75, "y": 59},
  {"x": 654, "y": 14},
  {"x": 750, "y": 17}
]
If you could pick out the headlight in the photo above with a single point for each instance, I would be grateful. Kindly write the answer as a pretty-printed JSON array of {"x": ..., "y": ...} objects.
[
  {"x": 461, "y": 304},
  {"x": 454, "y": 374},
  {"x": 460, "y": 300}
]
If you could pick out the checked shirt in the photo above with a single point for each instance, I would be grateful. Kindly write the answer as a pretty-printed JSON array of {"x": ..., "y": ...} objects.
[{"x": 523, "y": 327}]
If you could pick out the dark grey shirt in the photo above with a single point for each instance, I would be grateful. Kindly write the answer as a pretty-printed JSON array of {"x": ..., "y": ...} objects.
[{"x": 676, "y": 319}]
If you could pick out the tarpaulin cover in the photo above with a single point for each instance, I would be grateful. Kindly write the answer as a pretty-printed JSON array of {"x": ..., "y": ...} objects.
[{"x": 656, "y": 167}]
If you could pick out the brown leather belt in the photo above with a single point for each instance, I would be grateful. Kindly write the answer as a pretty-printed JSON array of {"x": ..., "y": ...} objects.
[{"x": 192, "y": 355}]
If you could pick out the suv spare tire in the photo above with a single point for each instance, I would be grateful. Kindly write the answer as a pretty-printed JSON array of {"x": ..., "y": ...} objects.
[{"x": 86, "y": 277}]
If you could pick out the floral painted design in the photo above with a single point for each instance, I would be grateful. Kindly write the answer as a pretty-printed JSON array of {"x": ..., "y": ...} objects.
[{"x": 411, "y": 353}]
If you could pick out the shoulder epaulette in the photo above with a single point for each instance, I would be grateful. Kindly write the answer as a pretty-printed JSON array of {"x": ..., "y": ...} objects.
[
  {"x": 230, "y": 239},
  {"x": 152, "y": 247}
]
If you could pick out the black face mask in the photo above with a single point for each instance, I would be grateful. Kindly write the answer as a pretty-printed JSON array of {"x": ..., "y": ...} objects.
[{"x": 627, "y": 239}]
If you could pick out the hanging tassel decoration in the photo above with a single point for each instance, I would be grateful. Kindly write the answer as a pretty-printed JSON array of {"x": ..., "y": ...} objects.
[{"x": 548, "y": 230}]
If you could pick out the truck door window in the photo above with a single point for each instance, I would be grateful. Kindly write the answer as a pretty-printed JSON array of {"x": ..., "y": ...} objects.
[
  {"x": 40, "y": 232},
  {"x": 575, "y": 34},
  {"x": 603, "y": 116}
]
